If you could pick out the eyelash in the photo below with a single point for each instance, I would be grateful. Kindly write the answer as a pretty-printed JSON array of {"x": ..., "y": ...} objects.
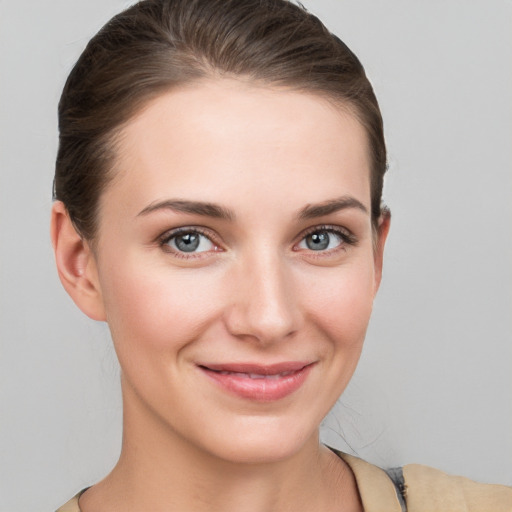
[
  {"x": 164, "y": 239},
  {"x": 347, "y": 239}
]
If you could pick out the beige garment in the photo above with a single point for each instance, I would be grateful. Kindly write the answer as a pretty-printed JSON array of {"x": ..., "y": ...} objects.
[
  {"x": 72, "y": 504},
  {"x": 427, "y": 490},
  {"x": 430, "y": 489}
]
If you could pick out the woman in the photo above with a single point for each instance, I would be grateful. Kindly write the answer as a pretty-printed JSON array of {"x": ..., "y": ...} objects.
[{"x": 218, "y": 202}]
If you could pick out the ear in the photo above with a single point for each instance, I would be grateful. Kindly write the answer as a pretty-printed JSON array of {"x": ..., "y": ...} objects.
[
  {"x": 76, "y": 264},
  {"x": 382, "y": 234}
]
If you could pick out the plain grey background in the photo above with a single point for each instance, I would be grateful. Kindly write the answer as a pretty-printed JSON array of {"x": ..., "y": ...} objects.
[{"x": 434, "y": 385}]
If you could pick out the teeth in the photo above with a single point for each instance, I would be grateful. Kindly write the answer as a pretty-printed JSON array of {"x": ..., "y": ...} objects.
[{"x": 256, "y": 375}]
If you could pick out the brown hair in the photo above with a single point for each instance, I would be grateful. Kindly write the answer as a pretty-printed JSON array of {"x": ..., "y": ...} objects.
[{"x": 156, "y": 45}]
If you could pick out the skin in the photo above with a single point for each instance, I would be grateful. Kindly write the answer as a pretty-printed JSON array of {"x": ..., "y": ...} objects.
[{"x": 253, "y": 292}]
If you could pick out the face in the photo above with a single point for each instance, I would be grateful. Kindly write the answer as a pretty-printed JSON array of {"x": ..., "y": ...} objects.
[{"x": 236, "y": 265}]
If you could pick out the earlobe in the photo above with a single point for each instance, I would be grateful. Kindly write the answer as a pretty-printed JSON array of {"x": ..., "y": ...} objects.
[
  {"x": 76, "y": 264},
  {"x": 380, "y": 242}
]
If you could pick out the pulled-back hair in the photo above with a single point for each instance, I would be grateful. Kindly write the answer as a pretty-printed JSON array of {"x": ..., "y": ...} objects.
[{"x": 157, "y": 45}]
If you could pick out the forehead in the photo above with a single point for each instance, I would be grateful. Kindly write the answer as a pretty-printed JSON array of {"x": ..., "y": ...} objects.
[{"x": 224, "y": 136}]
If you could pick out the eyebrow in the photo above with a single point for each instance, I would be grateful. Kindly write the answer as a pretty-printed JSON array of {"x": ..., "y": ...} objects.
[
  {"x": 195, "y": 207},
  {"x": 312, "y": 211},
  {"x": 216, "y": 211}
]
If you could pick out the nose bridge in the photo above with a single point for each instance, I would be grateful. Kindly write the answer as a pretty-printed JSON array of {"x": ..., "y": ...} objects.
[{"x": 264, "y": 305}]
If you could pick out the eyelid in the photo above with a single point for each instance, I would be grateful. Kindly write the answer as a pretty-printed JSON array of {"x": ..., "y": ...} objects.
[
  {"x": 165, "y": 237},
  {"x": 345, "y": 234},
  {"x": 348, "y": 239}
]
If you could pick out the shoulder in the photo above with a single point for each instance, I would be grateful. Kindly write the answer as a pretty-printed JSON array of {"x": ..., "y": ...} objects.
[
  {"x": 430, "y": 489},
  {"x": 72, "y": 504},
  {"x": 424, "y": 489},
  {"x": 377, "y": 490}
]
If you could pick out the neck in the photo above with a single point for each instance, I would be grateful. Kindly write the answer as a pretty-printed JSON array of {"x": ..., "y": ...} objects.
[{"x": 159, "y": 470}]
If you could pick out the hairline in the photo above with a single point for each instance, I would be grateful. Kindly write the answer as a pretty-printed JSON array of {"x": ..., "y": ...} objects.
[{"x": 113, "y": 139}]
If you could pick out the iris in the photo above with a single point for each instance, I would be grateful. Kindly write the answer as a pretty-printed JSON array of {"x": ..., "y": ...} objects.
[{"x": 318, "y": 241}]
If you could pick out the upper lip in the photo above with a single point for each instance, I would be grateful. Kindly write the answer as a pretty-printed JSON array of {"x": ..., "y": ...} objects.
[{"x": 255, "y": 368}]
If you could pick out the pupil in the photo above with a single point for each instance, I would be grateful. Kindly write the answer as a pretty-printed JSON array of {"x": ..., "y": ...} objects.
[
  {"x": 188, "y": 242},
  {"x": 318, "y": 241}
]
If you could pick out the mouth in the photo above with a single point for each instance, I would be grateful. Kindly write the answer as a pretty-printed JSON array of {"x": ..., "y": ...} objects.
[{"x": 261, "y": 383}]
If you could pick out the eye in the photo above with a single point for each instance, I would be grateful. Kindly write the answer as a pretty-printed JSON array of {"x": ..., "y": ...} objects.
[
  {"x": 188, "y": 241},
  {"x": 325, "y": 239}
]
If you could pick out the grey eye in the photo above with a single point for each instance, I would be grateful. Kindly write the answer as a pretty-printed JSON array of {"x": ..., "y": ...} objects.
[
  {"x": 190, "y": 242},
  {"x": 321, "y": 240},
  {"x": 318, "y": 241}
]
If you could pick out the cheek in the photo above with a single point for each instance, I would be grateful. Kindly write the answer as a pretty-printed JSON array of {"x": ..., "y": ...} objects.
[
  {"x": 157, "y": 308},
  {"x": 341, "y": 303}
]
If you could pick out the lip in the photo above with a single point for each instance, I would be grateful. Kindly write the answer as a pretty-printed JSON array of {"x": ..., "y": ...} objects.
[{"x": 257, "y": 382}]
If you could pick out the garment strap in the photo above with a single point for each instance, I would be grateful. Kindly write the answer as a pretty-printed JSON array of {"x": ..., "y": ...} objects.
[{"x": 397, "y": 477}]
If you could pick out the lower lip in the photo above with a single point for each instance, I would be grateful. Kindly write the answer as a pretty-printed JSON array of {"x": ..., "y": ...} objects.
[{"x": 265, "y": 389}]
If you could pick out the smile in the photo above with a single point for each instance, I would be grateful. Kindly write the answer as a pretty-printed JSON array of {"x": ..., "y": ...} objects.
[
  {"x": 256, "y": 375},
  {"x": 258, "y": 382}
]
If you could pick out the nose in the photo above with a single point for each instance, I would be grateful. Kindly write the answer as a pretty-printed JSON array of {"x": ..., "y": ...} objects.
[{"x": 264, "y": 304}]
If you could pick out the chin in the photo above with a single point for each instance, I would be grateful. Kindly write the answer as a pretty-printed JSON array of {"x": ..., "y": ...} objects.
[{"x": 262, "y": 441}]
